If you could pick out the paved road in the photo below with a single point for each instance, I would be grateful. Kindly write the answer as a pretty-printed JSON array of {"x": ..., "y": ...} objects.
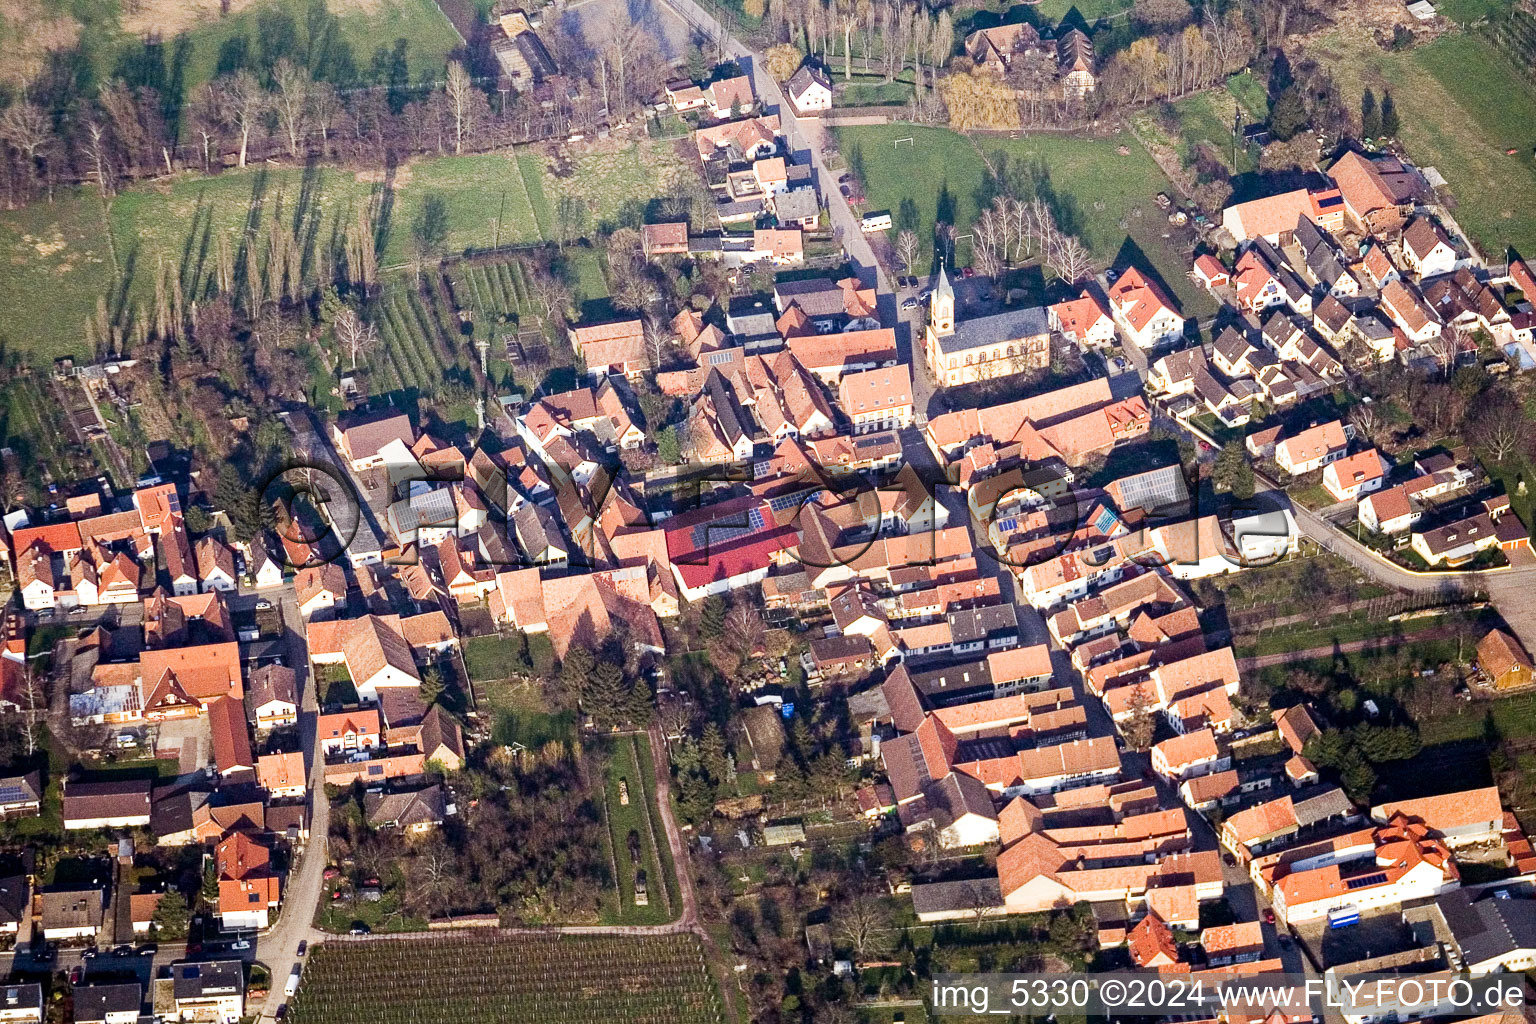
[
  {"x": 278, "y": 948},
  {"x": 805, "y": 135}
]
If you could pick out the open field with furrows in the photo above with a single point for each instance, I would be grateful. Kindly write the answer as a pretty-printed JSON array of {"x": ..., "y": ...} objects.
[
  {"x": 59, "y": 260},
  {"x": 486, "y": 976},
  {"x": 1445, "y": 93},
  {"x": 1101, "y": 195}
]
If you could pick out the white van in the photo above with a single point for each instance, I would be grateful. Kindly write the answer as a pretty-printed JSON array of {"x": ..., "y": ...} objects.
[{"x": 293, "y": 980}]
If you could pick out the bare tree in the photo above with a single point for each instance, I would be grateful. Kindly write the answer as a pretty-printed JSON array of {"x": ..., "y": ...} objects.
[
  {"x": 242, "y": 104},
  {"x": 906, "y": 248},
  {"x": 203, "y": 115},
  {"x": 1141, "y": 726},
  {"x": 1499, "y": 426},
  {"x": 291, "y": 100},
  {"x": 26, "y": 126},
  {"x": 324, "y": 111},
  {"x": 863, "y": 923},
  {"x": 986, "y": 239},
  {"x": 1070, "y": 259},
  {"x": 744, "y": 629},
  {"x": 98, "y": 151},
  {"x": 458, "y": 88},
  {"x": 354, "y": 334}
]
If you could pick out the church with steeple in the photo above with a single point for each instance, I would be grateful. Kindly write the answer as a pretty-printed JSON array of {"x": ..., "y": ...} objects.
[{"x": 963, "y": 351}]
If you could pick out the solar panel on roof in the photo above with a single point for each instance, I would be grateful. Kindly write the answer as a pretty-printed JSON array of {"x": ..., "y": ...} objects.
[
  {"x": 11, "y": 794},
  {"x": 1365, "y": 880}
]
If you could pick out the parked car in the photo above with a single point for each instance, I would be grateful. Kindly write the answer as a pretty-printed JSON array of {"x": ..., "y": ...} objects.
[
  {"x": 910, "y": 304},
  {"x": 75, "y": 974},
  {"x": 358, "y": 928},
  {"x": 1269, "y": 915},
  {"x": 303, "y": 945},
  {"x": 240, "y": 945}
]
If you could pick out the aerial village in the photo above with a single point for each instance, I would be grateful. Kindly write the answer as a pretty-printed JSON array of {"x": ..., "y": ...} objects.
[{"x": 1006, "y": 598}]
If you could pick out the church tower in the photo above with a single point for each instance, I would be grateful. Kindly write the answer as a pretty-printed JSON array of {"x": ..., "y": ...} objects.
[{"x": 941, "y": 312}]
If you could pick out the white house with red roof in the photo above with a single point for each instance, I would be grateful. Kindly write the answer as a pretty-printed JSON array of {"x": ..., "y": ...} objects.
[
  {"x": 1143, "y": 311},
  {"x": 1361, "y": 473},
  {"x": 1084, "y": 320},
  {"x": 1313, "y": 448}
]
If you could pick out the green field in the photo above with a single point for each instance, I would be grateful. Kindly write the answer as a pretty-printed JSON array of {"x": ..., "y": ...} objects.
[
  {"x": 1250, "y": 92},
  {"x": 1443, "y": 92},
  {"x": 1052, "y": 11},
  {"x": 362, "y": 28},
  {"x": 59, "y": 260},
  {"x": 1207, "y": 117},
  {"x": 480, "y": 974},
  {"x": 1097, "y": 189},
  {"x": 628, "y": 760}
]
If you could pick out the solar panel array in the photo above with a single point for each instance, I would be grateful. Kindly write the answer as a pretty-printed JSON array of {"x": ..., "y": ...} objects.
[
  {"x": 13, "y": 794},
  {"x": 1154, "y": 490},
  {"x": 1365, "y": 880},
  {"x": 705, "y": 534},
  {"x": 788, "y": 501}
]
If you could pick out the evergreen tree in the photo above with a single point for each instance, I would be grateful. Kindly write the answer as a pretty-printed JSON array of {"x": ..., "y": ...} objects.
[
  {"x": 1390, "y": 123},
  {"x": 431, "y": 685},
  {"x": 1370, "y": 117},
  {"x": 239, "y": 500},
  {"x": 1233, "y": 472},
  {"x": 1357, "y": 777},
  {"x": 668, "y": 448},
  {"x": 1288, "y": 115},
  {"x": 603, "y": 695},
  {"x": 638, "y": 703},
  {"x": 712, "y": 753},
  {"x": 712, "y": 617},
  {"x": 171, "y": 916},
  {"x": 574, "y": 672}
]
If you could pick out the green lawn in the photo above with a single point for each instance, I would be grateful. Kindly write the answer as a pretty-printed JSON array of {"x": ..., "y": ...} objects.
[
  {"x": 1207, "y": 117},
  {"x": 1442, "y": 91},
  {"x": 1097, "y": 189},
  {"x": 58, "y": 260},
  {"x": 1052, "y": 11},
  {"x": 1250, "y": 92},
  {"x": 872, "y": 93},
  {"x": 1463, "y": 11}
]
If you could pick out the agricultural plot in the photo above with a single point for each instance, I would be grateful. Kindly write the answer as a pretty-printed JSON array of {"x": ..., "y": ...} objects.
[
  {"x": 636, "y": 837},
  {"x": 511, "y": 979}
]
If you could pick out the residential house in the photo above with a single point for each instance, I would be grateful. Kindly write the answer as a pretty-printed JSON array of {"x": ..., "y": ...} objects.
[
  {"x": 21, "y": 795},
  {"x": 1504, "y": 661},
  {"x": 1351, "y": 478},
  {"x": 1084, "y": 320},
  {"x": 1427, "y": 249},
  {"x": 282, "y": 775},
  {"x": 878, "y": 399},
  {"x": 272, "y": 699},
  {"x": 1408, "y": 864},
  {"x": 669, "y": 239},
  {"x": 215, "y": 564},
  {"x": 1274, "y": 218},
  {"x": 617, "y": 347},
  {"x": 1184, "y": 757},
  {"x": 414, "y": 812},
  {"x": 107, "y": 1003},
  {"x": 364, "y": 441},
  {"x": 1143, "y": 311},
  {"x": 1313, "y": 448},
  {"x": 1210, "y": 272},
  {"x": 809, "y": 91},
  {"x": 249, "y": 889},
  {"x": 265, "y": 571},
  {"x": 730, "y": 97},
  {"x": 208, "y": 991},
  {"x": 320, "y": 589},
  {"x": 1458, "y": 543},
  {"x": 72, "y": 913}
]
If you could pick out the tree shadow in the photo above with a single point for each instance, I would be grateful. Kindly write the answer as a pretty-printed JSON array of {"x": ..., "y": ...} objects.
[{"x": 1131, "y": 254}]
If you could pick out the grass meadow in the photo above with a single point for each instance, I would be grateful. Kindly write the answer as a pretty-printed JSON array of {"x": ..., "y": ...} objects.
[
  {"x": 1103, "y": 196},
  {"x": 60, "y": 258}
]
